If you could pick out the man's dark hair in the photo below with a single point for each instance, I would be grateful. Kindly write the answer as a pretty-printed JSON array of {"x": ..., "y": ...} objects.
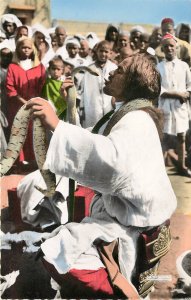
[
  {"x": 143, "y": 79},
  {"x": 56, "y": 58},
  {"x": 102, "y": 44},
  {"x": 110, "y": 29}
]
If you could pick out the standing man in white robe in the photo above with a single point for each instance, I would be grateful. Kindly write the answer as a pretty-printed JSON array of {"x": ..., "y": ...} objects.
[
  {"x": 94, "y": 102},
  {"x": 174, "y": 99},
  {"x": 61, "y": 36},
  {"x": 134, "y": 194}
]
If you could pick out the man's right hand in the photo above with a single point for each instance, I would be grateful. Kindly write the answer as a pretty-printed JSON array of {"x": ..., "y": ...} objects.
[
  {"x": 43, "y": 110},
  {"x": 184, "y": 97}
]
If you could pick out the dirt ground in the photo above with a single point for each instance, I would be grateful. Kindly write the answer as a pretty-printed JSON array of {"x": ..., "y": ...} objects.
[{"x": 34, "y": 282}]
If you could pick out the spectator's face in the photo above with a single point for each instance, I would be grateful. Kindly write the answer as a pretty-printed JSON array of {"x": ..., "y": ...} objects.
[
  {"x": 21, "y": 32},
  {"x": 135, "y": 37},
  {"x": 169, "y": 48},
  {"x": 84, "y": 49},
  {"x": 156, "y": 36},
  {"x": 167, "y": 28},
  {"x": 143, "y": 42},
  {"x": 72, "y": 50},
  {"x": 116, "y": 83},
  {"x": 68, "y": 69},
  {"x": 9, "y": 28},
  {"x": 113, "y": 34},
  {"x": 61, "y": 36},
  {"x": 125, "y": 52},
  {"x": 54, "y": 41},
  {"x": 184, "y": 33},
  {"x": 103, "y": 53},
  {"x": 25, "y": 49},
  {"x": 56, "y": 70},
  {"x": 123, "y": 41},
  {"x": 39, "y": 38}
]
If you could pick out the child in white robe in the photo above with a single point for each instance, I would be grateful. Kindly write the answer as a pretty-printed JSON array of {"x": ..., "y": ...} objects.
[{"x": 94, "y": 102}]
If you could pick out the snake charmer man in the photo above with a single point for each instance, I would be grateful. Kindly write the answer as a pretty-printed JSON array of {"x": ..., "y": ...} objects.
[{"x": 116, "y": 251}]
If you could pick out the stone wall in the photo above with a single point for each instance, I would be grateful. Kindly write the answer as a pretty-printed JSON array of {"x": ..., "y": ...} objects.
[
  {"x": 74, "y": 27},
  {"x": 42, "y": 15}
]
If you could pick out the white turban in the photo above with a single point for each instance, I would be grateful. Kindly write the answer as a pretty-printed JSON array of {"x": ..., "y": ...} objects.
[
  {"x": 92, "y": 39},
  {"x": 72, "y": 40},
  {"x": 138, "y": 28},
  {"x": 9, "y": 18},
  {"x": 40, "y": 28}
]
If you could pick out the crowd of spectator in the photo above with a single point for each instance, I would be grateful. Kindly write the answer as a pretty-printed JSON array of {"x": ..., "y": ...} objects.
[{"x": 35, "y": 61}]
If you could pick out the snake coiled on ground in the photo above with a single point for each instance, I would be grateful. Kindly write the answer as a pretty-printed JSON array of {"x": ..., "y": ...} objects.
[{"x": 19, "y": 131}]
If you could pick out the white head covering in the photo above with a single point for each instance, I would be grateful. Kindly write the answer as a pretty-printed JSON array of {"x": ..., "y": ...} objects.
[
  {"x": 72, "y": 40},
  {"x": 138, "y": 28},
  {"x": 9, "y": 18},
  {"x": 68, "y": 62},
  {"x": 7, "y": 44},
  {"x": 124, "y": 32},
  {"x": 80, "y": 37},
  {"x": 50, "y": 53},
  {"x": 51, "y": 30},
  {"x": 43, "y": 30},
  {"x": 92, "y": 39}
]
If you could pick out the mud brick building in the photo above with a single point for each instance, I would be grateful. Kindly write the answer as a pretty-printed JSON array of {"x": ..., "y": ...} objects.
[{"x": 28, "y": 11}]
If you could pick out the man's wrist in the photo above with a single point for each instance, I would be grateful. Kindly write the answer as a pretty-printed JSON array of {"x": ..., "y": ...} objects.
[{"x": 54, "y": 124}]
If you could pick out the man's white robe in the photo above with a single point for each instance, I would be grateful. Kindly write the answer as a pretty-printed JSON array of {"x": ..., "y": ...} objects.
[
  {"x": 38, "y": 210},
  {"x": 127, "y": 169},
  {"x": 93, "y": 100},
  {"x": 176, "y": 76}
]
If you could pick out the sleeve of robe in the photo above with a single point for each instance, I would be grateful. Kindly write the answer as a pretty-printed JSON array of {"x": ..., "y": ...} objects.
[{"x": 128, "y": 162}]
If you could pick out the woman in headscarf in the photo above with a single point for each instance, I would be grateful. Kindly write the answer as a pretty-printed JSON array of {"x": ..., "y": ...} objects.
[
  {"x": 42, "y": 42},
  {"x": 111, "y": 36},
  {"x": 183, "y": 32}
]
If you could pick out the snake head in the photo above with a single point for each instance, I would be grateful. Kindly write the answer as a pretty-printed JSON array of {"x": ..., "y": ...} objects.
[{"x": 91, "y": 69}]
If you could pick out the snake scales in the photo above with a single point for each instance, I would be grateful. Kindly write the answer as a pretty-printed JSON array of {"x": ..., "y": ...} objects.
[{"x": 19, "y": 132}]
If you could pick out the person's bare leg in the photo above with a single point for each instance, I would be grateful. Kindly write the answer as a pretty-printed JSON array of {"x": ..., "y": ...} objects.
[
  {"x": 181, "y": 149},
  {"x": 165, "y": 148}
]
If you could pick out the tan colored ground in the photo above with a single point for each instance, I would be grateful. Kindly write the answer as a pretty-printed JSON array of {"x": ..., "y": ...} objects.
[
  {"x": 180, "y": 228},
  {"x": 181, "y": 237}
]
